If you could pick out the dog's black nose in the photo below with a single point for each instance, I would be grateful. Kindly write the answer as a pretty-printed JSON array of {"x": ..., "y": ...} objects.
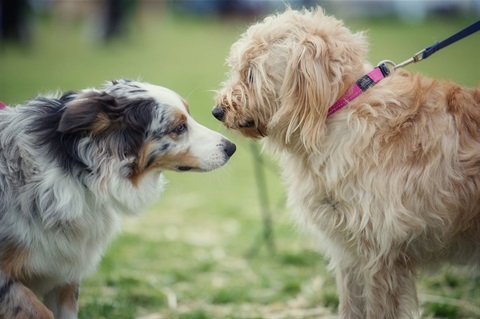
[
  {"x": 219, "y": 113},
  {"x": 229, "y": 148}
]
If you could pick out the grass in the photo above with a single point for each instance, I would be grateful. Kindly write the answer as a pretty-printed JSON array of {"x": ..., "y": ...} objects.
[{"x": 185, "y": 257}]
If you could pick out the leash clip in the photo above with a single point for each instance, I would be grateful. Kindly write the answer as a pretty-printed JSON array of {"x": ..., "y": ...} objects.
[
  {"x": 417, "y": 57},
  {"x": 385, "y": 66}
]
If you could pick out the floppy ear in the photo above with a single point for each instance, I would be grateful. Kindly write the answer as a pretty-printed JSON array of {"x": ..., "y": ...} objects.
[
  {"x": 306, "y": 93},
  {"x": 87, "y": 113},
  {"x": 319, "y": 70}
]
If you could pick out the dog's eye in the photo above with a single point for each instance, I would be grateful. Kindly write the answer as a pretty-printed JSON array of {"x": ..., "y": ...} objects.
[
  {"x": 180, "y": 129},
  {"x": 247, "y": 124}
]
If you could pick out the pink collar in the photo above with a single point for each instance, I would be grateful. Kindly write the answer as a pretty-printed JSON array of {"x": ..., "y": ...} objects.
[
  {"x": 366, "y": 81},
  {"x": 2, "y": 105}
]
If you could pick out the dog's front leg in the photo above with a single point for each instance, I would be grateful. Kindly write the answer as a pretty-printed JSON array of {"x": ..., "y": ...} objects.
[
  {"x": 352, "y": 305},
  {"x": 390, "y": 291},
  {"x": 63, "y": 301},
  {"x": 19, "y": 302}
]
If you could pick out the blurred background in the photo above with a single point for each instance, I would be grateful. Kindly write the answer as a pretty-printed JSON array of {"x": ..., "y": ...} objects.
[{"x": 222, "y": 244}]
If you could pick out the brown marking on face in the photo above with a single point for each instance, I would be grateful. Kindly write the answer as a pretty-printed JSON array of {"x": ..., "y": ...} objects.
[
  {"x": 141, "y": 165},
  {"x": 172, "y": 161},
  {"x": 180, "y": 118},
  {"x": 164, "y": 161},
  {"x": 13, "y": 260},
  {"x": 168, "y": 161},
  {"x": 68, "y": 296}
]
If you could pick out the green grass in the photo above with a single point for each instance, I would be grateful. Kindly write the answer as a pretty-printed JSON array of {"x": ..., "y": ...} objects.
[{"x": 185, "y": 257}]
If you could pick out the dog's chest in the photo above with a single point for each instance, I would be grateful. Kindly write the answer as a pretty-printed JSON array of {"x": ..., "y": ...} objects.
[
  {"x": 69, "y": 252},
  {"x": 315, "y": 197}
]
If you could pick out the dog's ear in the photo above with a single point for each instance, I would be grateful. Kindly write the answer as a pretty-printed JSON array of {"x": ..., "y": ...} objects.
[
  {"x": 87, "y": 112},
  {"x": 318, "y": 71},
  {"x": 305, "y": 94}
]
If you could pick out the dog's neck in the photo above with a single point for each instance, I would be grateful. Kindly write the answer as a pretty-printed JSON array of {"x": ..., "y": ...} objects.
[{"x": 361, "y": 85}]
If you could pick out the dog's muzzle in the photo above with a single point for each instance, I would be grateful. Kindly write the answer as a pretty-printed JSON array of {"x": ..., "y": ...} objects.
[{"x": 218, "y": 112}]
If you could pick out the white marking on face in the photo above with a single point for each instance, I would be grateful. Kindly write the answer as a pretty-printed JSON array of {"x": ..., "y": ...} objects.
[{"x": 202, "y": 143}]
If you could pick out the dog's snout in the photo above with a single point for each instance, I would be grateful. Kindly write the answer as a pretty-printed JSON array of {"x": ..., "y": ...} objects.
[
  {"x": 229, "y": 148},
  {"x": 219, "y": 113}
]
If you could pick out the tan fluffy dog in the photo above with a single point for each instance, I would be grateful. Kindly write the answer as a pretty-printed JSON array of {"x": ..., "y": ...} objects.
[{"x": 389, "y": 183}]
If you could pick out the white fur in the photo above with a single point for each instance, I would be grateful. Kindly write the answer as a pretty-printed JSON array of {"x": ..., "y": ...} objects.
[{"x": 56, "y": 220}]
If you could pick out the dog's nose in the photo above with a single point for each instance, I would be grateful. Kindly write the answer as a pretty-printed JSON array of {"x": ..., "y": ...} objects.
[
  {"x": 219, "y": 113},
  {"x": 229, "y": 148}
]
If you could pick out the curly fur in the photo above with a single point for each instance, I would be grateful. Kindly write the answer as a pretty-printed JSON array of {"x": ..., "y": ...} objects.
[
  {"x": 388, "y": 184},
  {"x": 70, "y": 167}
]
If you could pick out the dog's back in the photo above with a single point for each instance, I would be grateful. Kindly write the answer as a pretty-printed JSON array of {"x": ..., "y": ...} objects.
[{"x": 412, "y": 145}]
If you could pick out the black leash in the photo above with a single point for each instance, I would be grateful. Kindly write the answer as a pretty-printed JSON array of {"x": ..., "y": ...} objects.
[{"x": 428, "y": 51}]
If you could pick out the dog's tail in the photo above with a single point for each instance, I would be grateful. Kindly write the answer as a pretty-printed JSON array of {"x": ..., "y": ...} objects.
[{"x": 19, "y": 302}]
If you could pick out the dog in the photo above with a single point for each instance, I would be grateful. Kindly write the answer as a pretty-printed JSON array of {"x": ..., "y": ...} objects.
[
  {"x": 70, "y": 167},
  {"x": 387, "y": 184}
]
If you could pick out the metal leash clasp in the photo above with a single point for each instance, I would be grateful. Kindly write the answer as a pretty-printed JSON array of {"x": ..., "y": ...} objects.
[{"x": 414, "y": 59}]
